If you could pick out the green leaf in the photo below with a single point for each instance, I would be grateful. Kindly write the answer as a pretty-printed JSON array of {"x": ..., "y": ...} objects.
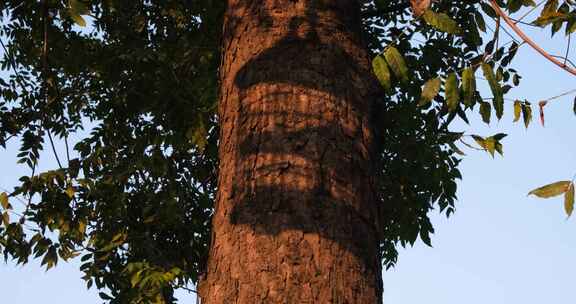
[
  {"x": 499, "y": 136},
  {"x": 499, "y": 148},
  {"x": 549, "y": 14},
  {"x": 550, "y": 7},
  {"x": 498, "y": 145},
  {"x": 456, "y": 149},
  {"x": 452, "y": 93},
  {"x": 4, "y": 200},
  {"x": 480, "y": 141},
  {"x": 513, "y": 5},
  {"x": 527, "y": 113},
  {"x": 425, "y": 237},
  {"x": 86, "y": 257},
  {"x": 79, "y": 7},
  {"x": 517, "y": 110},
  {"x": 491, "y": 144},
  {"x": 544, "y": 20},
  {"x": 498, "y": 101},
  {"x": 485, "y": 111},
  {"x": 516, "y": 80},
  {"x": 396, "y": 63},
  {"x": 382, "y": 72},
  {"x": 50, "y": 258},
  {"x": 480, "y": 21},
  {"x": 136, "y": 278},
  {"x": 488, "y": 10},
  {"x": 430, "y": 90},
  {"x": 570, "y": 26},
  {"x": 569, "y": 200},
  {"x": 198, "y": 134},
  {"x": 468, "y": 86},
  {"x": 441, "y": 22},
  {"x": 551, "y": 190}
]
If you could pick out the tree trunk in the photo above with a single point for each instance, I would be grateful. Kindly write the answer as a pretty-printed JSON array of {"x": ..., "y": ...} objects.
[{"x": 295, "y": 218}]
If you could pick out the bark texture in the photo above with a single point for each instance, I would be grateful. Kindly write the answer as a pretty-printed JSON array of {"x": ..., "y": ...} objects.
[{"x": 295, "y": 218}]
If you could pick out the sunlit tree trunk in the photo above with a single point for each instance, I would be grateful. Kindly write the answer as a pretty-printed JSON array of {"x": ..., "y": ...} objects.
[{"x": 295, "y": 217}]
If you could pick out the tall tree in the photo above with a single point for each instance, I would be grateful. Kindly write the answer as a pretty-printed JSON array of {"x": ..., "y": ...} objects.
[
  {"x": 273, "y": 126},
  {"x": 296, "y": 212}
]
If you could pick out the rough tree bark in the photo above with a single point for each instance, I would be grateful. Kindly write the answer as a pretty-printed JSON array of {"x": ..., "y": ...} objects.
[{"x": 295, "y": 218}]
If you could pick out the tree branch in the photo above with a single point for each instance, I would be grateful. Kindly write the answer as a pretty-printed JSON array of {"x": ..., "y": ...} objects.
[{"x": 529, "y": 41}]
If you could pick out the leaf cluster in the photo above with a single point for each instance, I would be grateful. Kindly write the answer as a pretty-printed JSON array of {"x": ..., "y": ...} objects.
[{"x": 132, "y": 97}]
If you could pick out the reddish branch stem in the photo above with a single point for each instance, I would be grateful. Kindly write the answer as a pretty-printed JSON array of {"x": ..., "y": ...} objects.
[{"x": 527, "y": 39}]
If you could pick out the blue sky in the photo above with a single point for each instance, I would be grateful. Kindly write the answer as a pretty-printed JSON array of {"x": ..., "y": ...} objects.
[{"x": 499, "y": 247}]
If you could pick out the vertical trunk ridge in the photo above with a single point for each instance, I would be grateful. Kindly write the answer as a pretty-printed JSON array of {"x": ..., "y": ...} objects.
[{"x": 295, "y": 217}]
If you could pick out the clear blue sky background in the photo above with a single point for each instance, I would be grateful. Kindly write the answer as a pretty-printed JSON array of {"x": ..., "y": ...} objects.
[{"x": 500, "y": 247}]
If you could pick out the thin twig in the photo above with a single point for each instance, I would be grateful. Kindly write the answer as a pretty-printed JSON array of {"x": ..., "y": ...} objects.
[
  {"x": 510, "y": 34},
  {"x": 567, "y": 49},
  {"x": 53, "y": 148},
  {"x": 566, "y": 59},
  {"x": 523, "y": 23},
  {"x": 561, "y": 95},
  {"x": 469, "y": 145},
  {"x": 189, "y": 289},
  {"x": 45, "y": 76},
  {"x": 67, "y": 148},
  {"x": 20, "y": 200},
  {"x": 29, "y": 203},
  {"x": 497, "y": 33},
  {"x": 529, "y": 12},
  {"x": 490, "y": 57}
]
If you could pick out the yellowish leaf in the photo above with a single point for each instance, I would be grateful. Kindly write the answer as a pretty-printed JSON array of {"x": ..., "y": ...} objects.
[
  {"x": 452, "y": 93},
  {"x": 551, "y": 190},
  {"x": 6, "y": 218},
  {"x": 430, "y": 90},
  {"x": 78, "y": 20},
  {"x": 496, "y": 89},
  {"x": 4, "y": 200},
  {"x": 517, "y": 110},
  {"x": 82, "y": 226},
  {"x": 382, "y": 72},
  {"x": 198, "y": 135},
  {"x": 527, "y": 113},
  {"x": 70, "y": 191},
  {"x": 485, "y": 111},
  {"x": 441, "y": 22},
  {"x": 396, "y": 63},
  {"x": 468, "y": 86},
  {"x": 569, "y": 200},
  {"x": 76, "y": 10}
]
